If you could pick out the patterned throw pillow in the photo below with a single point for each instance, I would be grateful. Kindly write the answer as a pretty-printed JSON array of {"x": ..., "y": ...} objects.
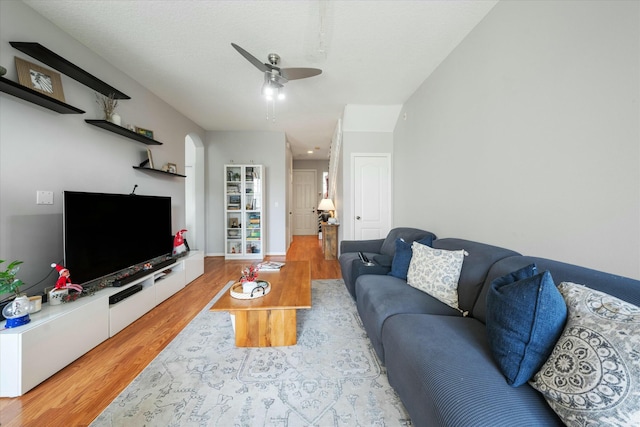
[
  {"x": 436, "y": 272},
  {"x": 593, "y": 374}
]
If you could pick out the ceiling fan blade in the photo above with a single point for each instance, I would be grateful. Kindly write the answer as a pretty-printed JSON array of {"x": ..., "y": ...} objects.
[
  {"x": 299, "y": 73},
  {"x": 255, "y": 61}
]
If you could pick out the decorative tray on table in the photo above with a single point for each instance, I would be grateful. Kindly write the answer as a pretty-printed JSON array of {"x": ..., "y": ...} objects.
[{"x": 261, "y": 290}]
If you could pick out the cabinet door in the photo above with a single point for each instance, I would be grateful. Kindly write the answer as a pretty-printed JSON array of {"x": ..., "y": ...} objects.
[
  {"x": 233, "y": 210},
  {"x": 244, "y": 214},
  {"x": 253, "y": 207},
  {"x": 53, "y": 345}
]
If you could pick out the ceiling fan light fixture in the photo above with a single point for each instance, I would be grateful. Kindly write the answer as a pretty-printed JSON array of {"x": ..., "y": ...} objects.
[
  {"x": 267, "y": 88},
  {"x": 272, "y": 91},
  {"x": 272, "y": 88}
]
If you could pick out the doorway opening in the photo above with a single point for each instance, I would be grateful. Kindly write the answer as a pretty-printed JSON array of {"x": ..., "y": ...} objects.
[{"x": 194, "y": 192}]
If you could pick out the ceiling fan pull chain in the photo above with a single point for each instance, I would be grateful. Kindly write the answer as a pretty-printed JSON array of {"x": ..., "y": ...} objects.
[{"x": 273, "y": 111}]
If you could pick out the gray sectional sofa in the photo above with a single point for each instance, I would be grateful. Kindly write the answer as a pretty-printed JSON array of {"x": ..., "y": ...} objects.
[{"x": 439, "y": 359}]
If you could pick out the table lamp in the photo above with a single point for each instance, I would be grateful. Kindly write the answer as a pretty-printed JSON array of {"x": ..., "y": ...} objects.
[{"x": 326, "y": 206}]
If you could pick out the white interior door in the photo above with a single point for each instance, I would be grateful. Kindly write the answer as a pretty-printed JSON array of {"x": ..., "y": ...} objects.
[
  {"x": 372, "y": 195},
  {"x": 305, "y": 199}
]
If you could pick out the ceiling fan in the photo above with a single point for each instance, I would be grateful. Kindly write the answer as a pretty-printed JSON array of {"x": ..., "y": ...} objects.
[{"x": 274, "y": 76}]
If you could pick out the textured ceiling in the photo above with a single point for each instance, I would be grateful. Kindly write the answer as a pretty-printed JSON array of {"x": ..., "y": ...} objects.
[{"x": 371, "y": 52}]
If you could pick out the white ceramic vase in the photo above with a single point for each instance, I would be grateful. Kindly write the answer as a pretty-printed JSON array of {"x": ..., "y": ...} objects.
[
  {"x": 248, "y": 286},
  {"x": 116, "y": 119}
]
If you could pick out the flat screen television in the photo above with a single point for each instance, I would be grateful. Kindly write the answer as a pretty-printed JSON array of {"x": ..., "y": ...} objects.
[{"x": 105, "y": 233}]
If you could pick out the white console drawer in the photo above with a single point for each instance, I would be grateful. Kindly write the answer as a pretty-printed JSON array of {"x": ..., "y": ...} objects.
[
  {"x": 168, "y": 285},
  {"x": 125, "y": 312},
  {"x": 33, "y": 355},
  {"x": 194, "y": 266}
]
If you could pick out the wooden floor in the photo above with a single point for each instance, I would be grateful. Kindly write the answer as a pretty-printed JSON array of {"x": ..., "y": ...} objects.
[{"x": 76, "y": 395}]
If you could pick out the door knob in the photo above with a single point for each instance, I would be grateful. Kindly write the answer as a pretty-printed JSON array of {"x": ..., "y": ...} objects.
[{"x": 358, "y": 217}]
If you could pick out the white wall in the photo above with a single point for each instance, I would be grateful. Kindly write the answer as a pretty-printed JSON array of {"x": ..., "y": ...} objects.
[
  {"x": 261, "y": 148},
  {"x": 43, "y": 150},
  {"x": 365, "y": 129},
  {"x": 527, "y": 136}
]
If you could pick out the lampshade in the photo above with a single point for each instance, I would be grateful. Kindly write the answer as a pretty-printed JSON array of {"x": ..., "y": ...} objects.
[{"x": 326, "y": 205}]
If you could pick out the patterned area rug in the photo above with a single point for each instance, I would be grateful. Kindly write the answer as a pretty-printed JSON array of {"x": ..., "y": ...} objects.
[{"x": 330, "y": 378}]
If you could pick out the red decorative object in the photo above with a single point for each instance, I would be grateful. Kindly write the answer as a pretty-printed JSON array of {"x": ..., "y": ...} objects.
[
  {"x": 179, "y": 246},
  {"x": 249, "y": 274},
  {"x": 64, "y": 281}
]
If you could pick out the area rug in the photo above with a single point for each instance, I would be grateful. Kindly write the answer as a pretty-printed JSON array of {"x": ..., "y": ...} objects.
[{"x": 331, "y": 377}]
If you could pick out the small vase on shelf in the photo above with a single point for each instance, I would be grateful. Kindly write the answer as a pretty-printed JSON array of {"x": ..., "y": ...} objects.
[
  {"x": 115, "y": 119},
  {"x": 108, "y": 105}
]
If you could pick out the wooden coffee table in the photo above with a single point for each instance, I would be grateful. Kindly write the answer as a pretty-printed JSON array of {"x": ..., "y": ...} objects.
[{"x": 270, "y": 321}]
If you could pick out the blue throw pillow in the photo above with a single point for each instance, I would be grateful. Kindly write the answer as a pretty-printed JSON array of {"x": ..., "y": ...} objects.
[
  {"x": 402, "y": 257},
  {"x": 525, "y": 317}
]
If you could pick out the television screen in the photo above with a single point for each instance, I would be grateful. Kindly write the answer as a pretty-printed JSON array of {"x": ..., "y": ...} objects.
[{"x": 106, "y": 233}]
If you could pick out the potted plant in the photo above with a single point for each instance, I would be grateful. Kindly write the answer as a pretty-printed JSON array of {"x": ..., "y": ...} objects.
[
  {"x": 8, "y": 281},
  {"x": 248, "y": 278},
  {"x": 108, "y": 105},
  {"x": 17, "y": 311}
]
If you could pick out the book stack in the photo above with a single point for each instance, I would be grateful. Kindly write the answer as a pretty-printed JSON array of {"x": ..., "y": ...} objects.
[{"x": 253, "y": 229}]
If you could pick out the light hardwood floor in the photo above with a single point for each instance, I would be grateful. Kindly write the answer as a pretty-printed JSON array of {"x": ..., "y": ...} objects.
[{"x": 76, "y": 395}]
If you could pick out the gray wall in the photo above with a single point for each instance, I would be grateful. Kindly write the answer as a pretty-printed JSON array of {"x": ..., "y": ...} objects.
[
  {"x": 261, "y": 148},
  {"x": 43, "y": 150},
  {"x": 527, "y": 136}
]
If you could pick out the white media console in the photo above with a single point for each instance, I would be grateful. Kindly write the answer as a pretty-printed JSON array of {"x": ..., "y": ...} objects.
[{"x": 59, "y": 334}]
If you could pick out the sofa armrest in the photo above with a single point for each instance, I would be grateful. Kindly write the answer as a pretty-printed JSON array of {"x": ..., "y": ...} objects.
[
  {"x": 361, "y": 246},
  {"x": 359, "y": 268},
  {"x": 383, "y": 260}
]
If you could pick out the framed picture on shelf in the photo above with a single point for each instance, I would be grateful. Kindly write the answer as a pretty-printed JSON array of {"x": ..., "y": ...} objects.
[
  {"x": 233, "y": 223},
  {"x": 40, "y": 79},
  {"x": 145, "y": 132}
]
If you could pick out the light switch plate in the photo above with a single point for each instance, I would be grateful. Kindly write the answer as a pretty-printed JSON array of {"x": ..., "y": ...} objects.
[{"x": 44, "y": 197}]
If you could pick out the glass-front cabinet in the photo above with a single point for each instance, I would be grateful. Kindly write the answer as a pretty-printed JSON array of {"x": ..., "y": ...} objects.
[{"x": 244, "y": 213}]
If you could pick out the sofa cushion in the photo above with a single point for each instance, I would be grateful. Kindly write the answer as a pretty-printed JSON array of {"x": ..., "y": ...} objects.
[
  {"x": 436, "y": 272},
  {"x": 407, "y": 233},
  {"x": 475, "y": 268},
  {"x": 381, "y": 297},
  {"x": 593, "y": 374},
  {"x": 621, "y": 287},
  {"x": 525, "y": 317},
  {"x": 402, "y": 257},
  {"x": 443, "y": 371}
]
